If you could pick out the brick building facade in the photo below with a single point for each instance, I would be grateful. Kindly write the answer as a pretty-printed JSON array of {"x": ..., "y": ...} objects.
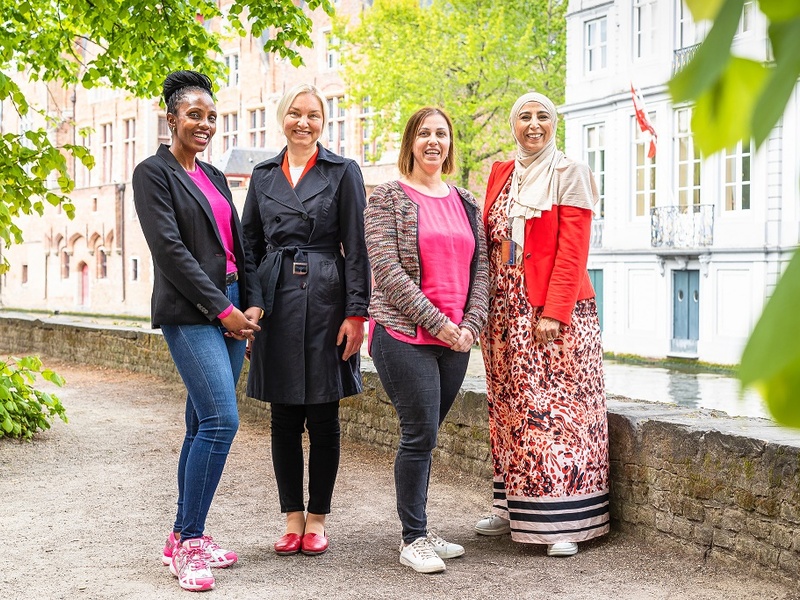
[{"x": 99, "y": 262}]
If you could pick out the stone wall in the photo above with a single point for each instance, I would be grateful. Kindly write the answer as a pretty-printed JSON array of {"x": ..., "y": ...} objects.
[{"x": 723, "y": 488}]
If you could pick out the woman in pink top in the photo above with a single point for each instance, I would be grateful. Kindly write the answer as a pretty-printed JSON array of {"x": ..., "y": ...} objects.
[
  {"x": 206, "y": 302},
  {"x": 427, "y": 250}
]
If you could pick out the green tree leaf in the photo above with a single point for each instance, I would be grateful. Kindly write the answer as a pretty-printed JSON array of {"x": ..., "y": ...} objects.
[
  {"x": 785, "y": 38},
  {"x": 772, "y": 347},
  {"x": 720, "y": 118},
  {"x": 704, "y": 9},
  {"x": 779, "y": 10},
  {"x": 711, "y": 58}
]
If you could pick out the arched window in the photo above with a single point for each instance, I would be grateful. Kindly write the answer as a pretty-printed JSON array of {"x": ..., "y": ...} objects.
[
  {"x": 102, "y": 264},
  {"x": 64, "y": 264}
]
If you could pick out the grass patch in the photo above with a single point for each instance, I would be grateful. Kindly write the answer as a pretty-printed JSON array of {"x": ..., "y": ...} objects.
[{"x": 686, "y": 365}]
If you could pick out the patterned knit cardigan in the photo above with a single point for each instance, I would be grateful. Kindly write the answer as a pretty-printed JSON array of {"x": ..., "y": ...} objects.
[{"x": 390, "y": 227}]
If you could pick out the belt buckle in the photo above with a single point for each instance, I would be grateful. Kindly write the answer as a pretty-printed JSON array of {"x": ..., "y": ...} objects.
[{"x": 299, "y": 268}]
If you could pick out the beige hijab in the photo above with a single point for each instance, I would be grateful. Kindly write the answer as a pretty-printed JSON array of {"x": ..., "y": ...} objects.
[{"x": 535, "y": 181}]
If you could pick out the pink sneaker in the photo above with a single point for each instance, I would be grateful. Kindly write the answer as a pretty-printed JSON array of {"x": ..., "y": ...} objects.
[
  {"x": 216, "y": 556},
  {"x": 190, "y": 567},
  {"x": 170, "y": 548}
]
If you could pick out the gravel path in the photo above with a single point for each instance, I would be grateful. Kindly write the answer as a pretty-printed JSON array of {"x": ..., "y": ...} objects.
[{"x": 86, "y": 507}]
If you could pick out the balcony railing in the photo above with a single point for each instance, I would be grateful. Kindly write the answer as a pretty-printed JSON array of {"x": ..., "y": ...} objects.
[
  {"x": 682, "y": 226},
  {"x": 682, "y": 57},
  {"x": 596, "y": 239}
]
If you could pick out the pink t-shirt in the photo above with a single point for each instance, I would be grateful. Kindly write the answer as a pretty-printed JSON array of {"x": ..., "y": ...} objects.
[
  {"x": 222, "y": 215},
  {"x": 446, "y": 246}
]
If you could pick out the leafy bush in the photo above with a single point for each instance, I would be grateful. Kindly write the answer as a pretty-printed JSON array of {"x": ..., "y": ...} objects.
[{"x": 25, "y": 410}]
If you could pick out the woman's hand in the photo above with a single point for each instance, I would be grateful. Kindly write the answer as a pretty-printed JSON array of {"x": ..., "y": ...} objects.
[
  {"x": 253, "y": 314},
  {"x": 465, "y": 341},
  {"x": 242, "y": 326},
  {"x": 449, "y": 334},
  {"x": 353, "y": 330},
  {"x": 547, "y": 330}
]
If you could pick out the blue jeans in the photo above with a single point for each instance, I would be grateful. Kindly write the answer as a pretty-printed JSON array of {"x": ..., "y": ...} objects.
[
  {"x": 422, "y": 382},
  {"x": 209, "y": 364}
]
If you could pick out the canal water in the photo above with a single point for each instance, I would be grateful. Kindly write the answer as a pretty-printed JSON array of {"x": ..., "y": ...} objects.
[
  {"x": 657, "y": 384},
  {"x": 692, "y": 390}
]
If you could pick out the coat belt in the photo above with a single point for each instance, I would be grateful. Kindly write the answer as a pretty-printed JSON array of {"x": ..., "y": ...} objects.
[{"x": 272, "y": 264}]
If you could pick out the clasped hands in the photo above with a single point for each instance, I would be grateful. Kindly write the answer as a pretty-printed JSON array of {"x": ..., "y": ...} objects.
[
  {"x": 242, "y": 325},
  {"x": 458, "y": 338}
]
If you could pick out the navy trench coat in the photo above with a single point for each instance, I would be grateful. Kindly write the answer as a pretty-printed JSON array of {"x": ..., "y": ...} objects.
[{"x": 313, "y": 272}]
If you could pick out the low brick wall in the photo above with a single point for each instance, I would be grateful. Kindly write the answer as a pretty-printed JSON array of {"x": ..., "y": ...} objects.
[{"x": 724, "y": 488}]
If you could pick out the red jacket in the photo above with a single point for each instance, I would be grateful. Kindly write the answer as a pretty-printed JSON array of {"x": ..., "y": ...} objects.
[{"x": 555, "y": 253}]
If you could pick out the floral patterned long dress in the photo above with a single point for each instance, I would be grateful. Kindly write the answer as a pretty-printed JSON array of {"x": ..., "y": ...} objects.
[{"x": 547, "y": 410}]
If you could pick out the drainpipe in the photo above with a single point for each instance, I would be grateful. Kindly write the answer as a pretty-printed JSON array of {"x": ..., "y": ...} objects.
[{"x": 120, "y": 189}]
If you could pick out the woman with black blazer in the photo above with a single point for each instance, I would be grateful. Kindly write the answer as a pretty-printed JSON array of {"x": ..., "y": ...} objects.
[
  {"x": 203, "y": 276},
  {"x": 303, "y": 219}
]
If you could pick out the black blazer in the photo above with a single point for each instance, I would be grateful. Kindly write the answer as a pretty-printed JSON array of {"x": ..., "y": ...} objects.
[{"x": 188, "y": 256}]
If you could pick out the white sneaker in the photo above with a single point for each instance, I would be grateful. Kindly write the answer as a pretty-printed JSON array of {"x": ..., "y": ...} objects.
[
  {"x": 442, "y": 547},
  {"x": 420, "y": 556},
  {"x": 493, "y": 525},
  {"x": 190, "y": 567},
  {"x": 562, "y": 549}
]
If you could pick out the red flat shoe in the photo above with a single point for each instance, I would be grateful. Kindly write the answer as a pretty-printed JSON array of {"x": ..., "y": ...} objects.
[
  {"x": 314, "y": 544},
  {"x": 289, "y": 544}
]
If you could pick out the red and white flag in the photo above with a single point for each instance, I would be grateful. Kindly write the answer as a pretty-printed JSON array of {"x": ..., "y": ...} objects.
[{"x": 644, "y": 122}]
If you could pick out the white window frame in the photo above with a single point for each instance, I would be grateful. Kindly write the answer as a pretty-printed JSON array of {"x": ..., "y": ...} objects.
[
  {"x": 258, "y": 127},
  {"x": 129, "y": 144},
  {"x": 645, "y": 175},
  {"x": 230, "y": 130},
  {"x": 332, "y": 59},
  {"x": 687, "y": 32},
  {"x": 232, "y": 64},
  {"x": 595, "y": 156},
  {"x": 644, "y": 28},
  {"x": 688, "y": 162},
  {"x": 595, "y": 45},
  {"x": 737, "y": 166},
  {"x": 337, "y": 122},
  {"x": 107, "y": 151},
  {"x": 86, "y": 173},
  {"x": 746, "y": 24},
  {"x": 369, "y": 146}
]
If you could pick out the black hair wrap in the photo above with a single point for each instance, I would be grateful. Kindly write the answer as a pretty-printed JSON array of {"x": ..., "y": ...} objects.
[{"x": 179, "y": 80}]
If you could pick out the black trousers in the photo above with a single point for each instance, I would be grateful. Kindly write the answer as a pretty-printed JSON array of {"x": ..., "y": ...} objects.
[{"x": 288, "y": 423}]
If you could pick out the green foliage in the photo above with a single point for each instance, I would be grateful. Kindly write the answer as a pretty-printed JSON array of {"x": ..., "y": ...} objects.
[
  {"x": 124, "y": 44},
  {"x": 746, "y": 95},
  {"x": 472, "y": 57},
  {"x": 771, "y": 359},
  {"x": 738, "y": 99},
  {"x": 25, "y": 410}
]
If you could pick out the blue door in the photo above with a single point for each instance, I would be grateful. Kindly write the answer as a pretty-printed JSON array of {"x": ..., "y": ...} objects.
[
  {"x": 596, "y": 277},
  {"x": 685, "y": 311}
]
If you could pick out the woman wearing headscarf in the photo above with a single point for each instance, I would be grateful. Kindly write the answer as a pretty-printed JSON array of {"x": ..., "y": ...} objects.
[
  {"x": 304, "y": 220},
  {"x": 542, "y": 346}
]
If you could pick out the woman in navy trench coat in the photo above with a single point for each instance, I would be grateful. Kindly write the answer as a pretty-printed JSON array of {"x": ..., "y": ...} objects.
[{"x": 303, "y": 219}]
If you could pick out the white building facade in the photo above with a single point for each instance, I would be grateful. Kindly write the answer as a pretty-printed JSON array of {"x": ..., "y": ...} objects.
[{"x": 685, "y": 249}]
